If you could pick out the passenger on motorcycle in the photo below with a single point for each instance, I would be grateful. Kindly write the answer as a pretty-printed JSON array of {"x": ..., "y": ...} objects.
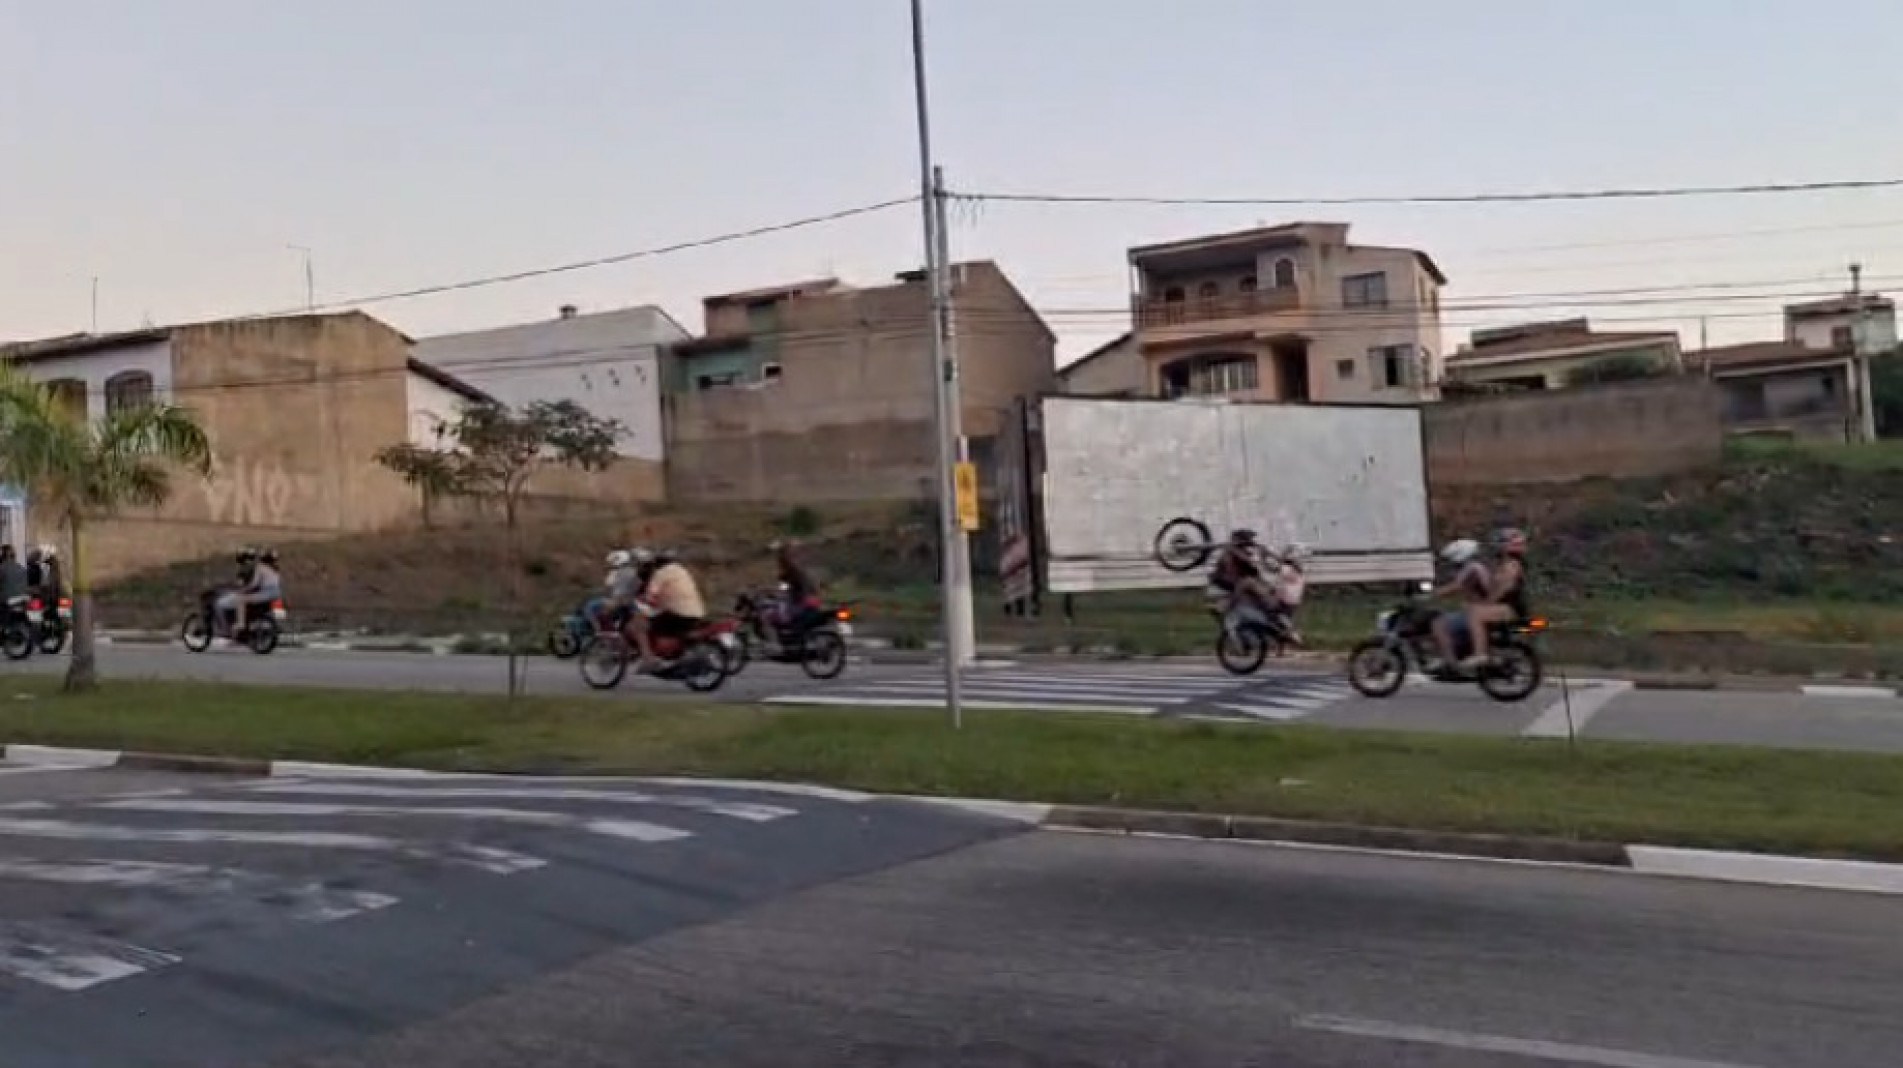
[
  {"x": 13, "y": 576},
  {"x": 227, "y": 604},
  {"x": 1237, "y": 574},
  {"x": 264, "y": 586},
  {"x": 670, "y": 607},
  {"x": 1505, "y": 595},
  {"x": 626, "y": 575},
  {"x": 799, "y": 594},
  {"x": 1291, "y": 584},
  {"x": 43, "y": 574},
  {"x": 1471, "y": 584}
]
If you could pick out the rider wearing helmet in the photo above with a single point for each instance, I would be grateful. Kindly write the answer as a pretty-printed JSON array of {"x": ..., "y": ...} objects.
[
  {"x": 229, "y": 604},
  {"x": 262, "y": 587},
  {"x": 1238, "y": 573},
  {"x": 1505, "y": 599},
  {"x": 45, "y": 577},
  {"x": 799, "y": 594},
  {"x": 1291, "y": 584},
  {"x": 623, "y": 584},
  {"x": 1471, "y": 583},
  {"x": 671, "y": 607}
]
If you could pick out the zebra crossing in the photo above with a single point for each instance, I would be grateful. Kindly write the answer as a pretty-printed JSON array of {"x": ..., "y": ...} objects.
[
  {"x": 95, "y": 890},
  {"x": 1188, "y": 690}
]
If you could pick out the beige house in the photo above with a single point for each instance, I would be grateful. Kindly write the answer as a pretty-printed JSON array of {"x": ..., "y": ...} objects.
[
  {"x": 1554, "y": 355},
  {"x": 1113, "y": 369},
  {"x": 821, "y": 390},
  {"x": 1289, "y": 313}
]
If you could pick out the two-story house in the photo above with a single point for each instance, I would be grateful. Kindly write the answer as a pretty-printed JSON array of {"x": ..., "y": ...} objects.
[
  {"x": 1291, "y": 313},
  {"x": 1813, "y": 384},
  {"x": 820, "y": 390}
]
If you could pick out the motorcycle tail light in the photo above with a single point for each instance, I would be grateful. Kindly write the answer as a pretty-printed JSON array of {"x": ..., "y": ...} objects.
[
  {"x": 1535, "y": 625},
  {"x": 277, "y": 606},
  {"x": 36, "y": 605},
  {"x": 66, "y": 602},
  {"x": 844, "y": 615}
]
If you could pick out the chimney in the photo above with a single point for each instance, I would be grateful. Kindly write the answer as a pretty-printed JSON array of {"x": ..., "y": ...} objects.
[{"x": 569, "y": 311}]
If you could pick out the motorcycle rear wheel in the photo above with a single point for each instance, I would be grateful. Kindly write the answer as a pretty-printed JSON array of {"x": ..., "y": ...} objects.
[
  {"x": 823, "y": 655},
  {"x": 16, "y": 641},
  {"x": 562, "y": 643},
  {"x": 704, "y": 666},
  {"x": 264, "y": 635},
  {"x": 1515, "y": 674},
  {"x": 53, "y": 640},
  {"x": 1242, "y": 650},
  {"x": 1376, "y": 668}
]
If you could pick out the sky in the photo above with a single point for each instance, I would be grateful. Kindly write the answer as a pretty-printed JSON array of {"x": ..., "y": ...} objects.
[{"x": 183, "y": 153}]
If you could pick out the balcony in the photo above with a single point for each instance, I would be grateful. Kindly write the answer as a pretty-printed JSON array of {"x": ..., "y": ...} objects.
[{"x": 1150, "y": 314}]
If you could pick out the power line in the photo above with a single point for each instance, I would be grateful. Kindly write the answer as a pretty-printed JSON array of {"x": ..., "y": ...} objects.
[
  {"x": 600, "y": 261},
  {"x": 1634, "y": 193}
]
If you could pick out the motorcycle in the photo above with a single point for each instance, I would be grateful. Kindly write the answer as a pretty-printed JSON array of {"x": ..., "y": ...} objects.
[
  {"x": 1246, "y": 634},
  {"x": 55, "y": 626},
  {"x": 1404, "y": 642},
  {"x": 701, "y": 660},
  {"x": 19, "y": 630},
  {"x": 816, "y": 641},
  {"x": 261, "y": 633},
  {"x": 567, "y": 637}
]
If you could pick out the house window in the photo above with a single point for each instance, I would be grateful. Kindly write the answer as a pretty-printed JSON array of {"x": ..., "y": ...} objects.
[
  {"x": 1229, "y": 374},
  {"x": 128, "y": 390},
  {"x": 1841, "y": 337},
  {"x": 770, "y": 373},
  {"x": 1391, "y": 366},
  {"x": 1247, "y": 285},
  {"x": 1365, "y": 291},
  {"x": 1285, "y": 273},
  {"x": 1344, "y": 369},
  {"x": 1208, "y": 291},
  {"x": 69, "y": 394},
  {"x": 1173, "y": 295}
]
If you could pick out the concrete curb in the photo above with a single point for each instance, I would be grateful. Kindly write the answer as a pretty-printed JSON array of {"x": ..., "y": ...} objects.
[{"x": 1811, "y": 873}]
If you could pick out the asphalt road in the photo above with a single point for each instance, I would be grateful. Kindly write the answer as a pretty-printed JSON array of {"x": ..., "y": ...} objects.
[
  {"x": 1592, "y": 708},
  {"x": 1068, "y": 950},
  {"x": 151, "y": 920}
]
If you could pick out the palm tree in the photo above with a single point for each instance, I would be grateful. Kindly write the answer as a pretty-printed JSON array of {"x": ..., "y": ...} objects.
[{"x": 84, "y": 470}]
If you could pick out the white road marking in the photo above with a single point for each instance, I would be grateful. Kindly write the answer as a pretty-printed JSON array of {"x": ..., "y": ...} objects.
[
  {"x": 635, "y": 830},
  {"x": 71, "y": 961},
  {"x": 1536, "y": 1049},
  {"x": 52, "y": 756},
  {"x": 487, "y": 858},
  {"x": 1013, "y": 688},
  {"x": 1883, "y": 692},
  {"x": 989, "y": 706},
  {"x": 789, "y": 789},
  {"x": 309, "y": 902},
  {"x": 1015, "y": 811},
  {"x": 298, "y": 769},
  {"x": 1274, "y": 713},
  {"x": 1810, "y": 873},
  {"x": 740, "y": 810},
  {"x": 34, "y": 769},
  {"x": 1586, "y": 701}
]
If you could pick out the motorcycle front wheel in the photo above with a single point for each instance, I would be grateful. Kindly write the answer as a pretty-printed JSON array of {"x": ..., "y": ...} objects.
[
  {"x": 264, "y": 636},
  {"x": 1182, "y": 545},
  {"x": 604, "y": 662},
  {"x": 1242, "y": 650},
  {"x": 195, "y": 632},
  {"x": 1516, "y": 672},
  {"x": 1376, "y": 668}
]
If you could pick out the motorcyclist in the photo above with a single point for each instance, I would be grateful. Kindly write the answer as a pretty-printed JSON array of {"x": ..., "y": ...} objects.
[
  {"x": 626, "y": 575},
  {"x": 1504, "y": 599},
  {"x": 1471, "y": 582},
  {"x": 798, "y": 594},
  {"x": 263, "y": 586},
  {"x": 1291, "y": 584},
  {"x": 670, "y": 607},
  {"x": 13, "y": 578},
  {"x": 228, "y": 603},
  {"x": 46, "y": 580},
  {"x": 1238, "y": 574}
]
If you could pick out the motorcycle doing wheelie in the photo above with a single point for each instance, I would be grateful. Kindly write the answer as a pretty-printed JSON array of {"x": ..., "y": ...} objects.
[
  {"x": 813, "y": 635},
  {"x": 1404, "y": 642},
  {"x": 1247, "y": 632}
]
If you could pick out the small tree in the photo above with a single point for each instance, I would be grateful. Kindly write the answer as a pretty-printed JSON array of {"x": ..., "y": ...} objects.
[
  {"x": 433, "y": 473},
  {"x": 84, "y": 470},
  {"x": 1625, "y": 368},
  {"x": 495, "y": 451}
]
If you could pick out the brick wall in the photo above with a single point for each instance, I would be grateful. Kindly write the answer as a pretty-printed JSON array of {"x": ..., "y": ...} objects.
[{"x": 1629, "y": 429}]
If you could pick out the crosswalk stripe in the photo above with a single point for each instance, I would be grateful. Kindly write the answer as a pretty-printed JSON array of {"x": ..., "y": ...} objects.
[
  {"x": 309, "y": 902},
  {"x": 71, "y": 960},
  {"x": 1044, "y": 686},
  {"x": 635, "y": 830},
  {"x": 1005, "y": 693},
  {"x": 1268, "y": 712},
  {"x": 875, "y": 701},
  {"x": 741, "y": 810},
  {"x": 488, "y": 858},
  {"x": 1159, "y": 682}
]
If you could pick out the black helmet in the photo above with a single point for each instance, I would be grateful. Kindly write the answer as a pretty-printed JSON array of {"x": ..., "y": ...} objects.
[
  {"x": 269, "y": 556},
  {"x": 247, "y": 555},
  {"x": 1242, "y": 537}
]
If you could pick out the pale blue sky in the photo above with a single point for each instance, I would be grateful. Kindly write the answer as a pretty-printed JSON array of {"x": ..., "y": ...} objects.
[{"x": 175, "y": 148}]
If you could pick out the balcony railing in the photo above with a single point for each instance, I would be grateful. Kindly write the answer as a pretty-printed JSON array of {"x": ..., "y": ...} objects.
[{"x": 1154, "y": 313}]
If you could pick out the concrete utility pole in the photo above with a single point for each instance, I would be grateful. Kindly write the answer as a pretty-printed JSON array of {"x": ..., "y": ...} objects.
[
  {"x": 310, "y": 277},
  {"x": 955, "y": 572},
  {"x": 1860, "y": 358}
]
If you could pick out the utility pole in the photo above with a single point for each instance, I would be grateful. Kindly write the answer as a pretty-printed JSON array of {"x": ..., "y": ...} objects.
[
  {"x": 962, "y": 622},
  {"x": 310, "y": 278},
  {"x": 954, "y": 576},
  {"x": 95, "y": 317},
  {"x": 1860, "y": 358}
]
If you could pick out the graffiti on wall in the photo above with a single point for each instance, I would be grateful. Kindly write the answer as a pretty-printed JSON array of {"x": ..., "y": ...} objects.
[{"x": 250, "y": 492}]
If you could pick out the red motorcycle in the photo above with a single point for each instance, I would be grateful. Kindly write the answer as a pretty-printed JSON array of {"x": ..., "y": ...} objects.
[{"x": 702, "y": 660}]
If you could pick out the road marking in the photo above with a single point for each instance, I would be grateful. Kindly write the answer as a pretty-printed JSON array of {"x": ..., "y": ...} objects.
[
  {"x": 52, "y": 756},
  {"x": 988, "y": 706},
  {"x": 1048, "y": 688},
  {"x": 35, "y": 769},
  {"x": 71, "y": 961},
  {"x": 297, "y": 769},
  {"x": 1279, "y": 713},
  {"x": 1583, "y": 702},
  {"x": 1884, "y": 692},
  {"x": 1856, "y": 875},
  {"x": 634, "y": 830},
  {"x": 1025, "y": 812},
  {"x": 309, "y": 902},
  {"x": 1536, "y": 1049},
  {"x": 740, "y": 810},
  {"x": 789, "y": 789},
  {"x": 487, "y": 858}
]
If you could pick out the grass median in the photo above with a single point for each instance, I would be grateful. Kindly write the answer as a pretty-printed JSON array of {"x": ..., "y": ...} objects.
[{"x": 1826, "y": 804}]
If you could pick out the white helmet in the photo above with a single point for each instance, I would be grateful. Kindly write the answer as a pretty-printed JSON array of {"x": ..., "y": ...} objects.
[
  {"x": 620, "y": 558},
  {"x": 49, "y": 552},
  {"x": 1460, "y": 551},
  {"x": 1295, "y": 552}
]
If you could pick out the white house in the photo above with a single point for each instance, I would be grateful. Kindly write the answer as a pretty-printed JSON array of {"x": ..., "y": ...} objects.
[{"x": 607, "y": 362}]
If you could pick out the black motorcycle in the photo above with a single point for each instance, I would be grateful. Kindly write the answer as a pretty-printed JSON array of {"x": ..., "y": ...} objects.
[
  {"x": 56, "y": 625},
  {"x": 261, "y": 633},
  {"x": 20, "y": 626},
  {"x": 815, "y": 639},
  {"x": 1404, "y": 643}
]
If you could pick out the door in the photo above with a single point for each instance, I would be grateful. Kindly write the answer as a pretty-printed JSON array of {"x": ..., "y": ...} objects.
[{"x": 1291, "y": 370}]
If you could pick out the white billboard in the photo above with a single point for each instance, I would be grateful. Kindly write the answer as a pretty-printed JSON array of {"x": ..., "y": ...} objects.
[{"x": 1349, "y": 483}]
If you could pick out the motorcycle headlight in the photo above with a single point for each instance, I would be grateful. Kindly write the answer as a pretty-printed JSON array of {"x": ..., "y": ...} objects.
[{"x": 1381, "y": 621}]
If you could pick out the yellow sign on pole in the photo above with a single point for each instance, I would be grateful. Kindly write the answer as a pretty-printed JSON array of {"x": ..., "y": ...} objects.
[{"x": 965, "y": 481}]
